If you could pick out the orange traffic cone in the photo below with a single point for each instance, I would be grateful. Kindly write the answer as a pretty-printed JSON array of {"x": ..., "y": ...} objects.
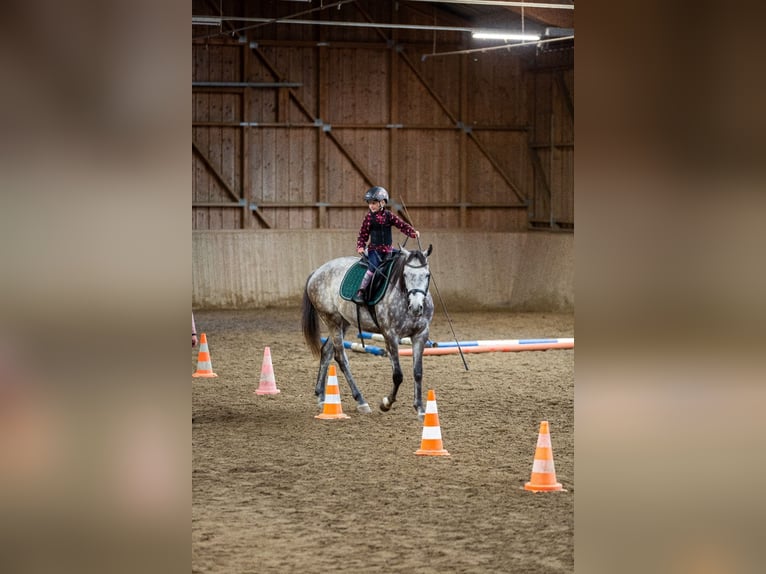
[
  {"x": 204, "y": 367},
  {"x": 332, "y": 408},
  {"x": 543, "y": 477},
  {"x": 431, "y": 441},
  {"x": 267, "y": 386}
]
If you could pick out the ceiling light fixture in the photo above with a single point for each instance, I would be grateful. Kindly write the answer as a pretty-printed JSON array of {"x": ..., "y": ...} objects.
[
  {"x": 206, "y": 21},
  {"x": 558, "y": 32},
  {"x": 506, "y": 36}
]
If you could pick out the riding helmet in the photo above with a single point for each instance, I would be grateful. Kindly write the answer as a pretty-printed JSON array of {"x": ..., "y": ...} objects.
[{"x": 376, "y": 193}]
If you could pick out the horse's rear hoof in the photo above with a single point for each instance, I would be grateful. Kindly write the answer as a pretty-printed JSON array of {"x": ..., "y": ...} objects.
[
  {"x": 364, "y": 409},
  {"x": 385, "y": 405}
]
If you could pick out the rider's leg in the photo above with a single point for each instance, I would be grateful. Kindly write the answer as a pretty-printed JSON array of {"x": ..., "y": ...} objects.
[{"x": 373, "y": 261}]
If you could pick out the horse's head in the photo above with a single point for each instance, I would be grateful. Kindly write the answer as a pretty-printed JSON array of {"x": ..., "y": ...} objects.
[{"x": 415, "y": 278}]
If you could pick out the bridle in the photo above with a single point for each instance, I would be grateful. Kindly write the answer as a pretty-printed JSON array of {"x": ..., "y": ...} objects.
[{"x": 428, "y": 282}]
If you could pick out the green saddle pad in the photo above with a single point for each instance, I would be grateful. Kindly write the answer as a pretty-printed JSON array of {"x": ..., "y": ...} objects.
[{"x": 353, "y": 278}]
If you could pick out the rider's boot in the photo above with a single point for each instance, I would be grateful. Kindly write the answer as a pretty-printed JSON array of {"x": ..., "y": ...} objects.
[{"x": 360, "y": 294}]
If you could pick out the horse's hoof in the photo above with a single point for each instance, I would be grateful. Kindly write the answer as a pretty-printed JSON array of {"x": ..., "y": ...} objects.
[
  {"x": 385, "y": 405},
  {"x": 422, "y": 415},
  {"x": 364, "y": 409}
]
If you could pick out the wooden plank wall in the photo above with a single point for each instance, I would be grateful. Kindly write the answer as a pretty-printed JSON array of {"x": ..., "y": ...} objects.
[
  {"x": 551, "y": 145},
  {"x": 479, "y": 141}
]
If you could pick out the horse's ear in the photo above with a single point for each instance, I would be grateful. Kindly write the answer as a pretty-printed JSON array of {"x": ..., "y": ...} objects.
[{"x": 427, "y": 252}]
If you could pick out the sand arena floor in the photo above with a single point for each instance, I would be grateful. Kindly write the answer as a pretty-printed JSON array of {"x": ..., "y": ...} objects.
[{"x": 276, "y": 490}]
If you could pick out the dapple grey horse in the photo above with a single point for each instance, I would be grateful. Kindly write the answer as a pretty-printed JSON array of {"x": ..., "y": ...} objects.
[{"x": 405, "y": 310}]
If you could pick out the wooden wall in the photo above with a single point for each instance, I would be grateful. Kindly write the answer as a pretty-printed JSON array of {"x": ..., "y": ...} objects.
[{"x": 474, "y": 141}]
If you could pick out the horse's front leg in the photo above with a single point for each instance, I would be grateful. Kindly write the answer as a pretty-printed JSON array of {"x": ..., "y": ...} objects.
[
  {"x": 392, "y": 345},
  {"x": 342, "y": 360},
  {"x": 418, "y": 344}
]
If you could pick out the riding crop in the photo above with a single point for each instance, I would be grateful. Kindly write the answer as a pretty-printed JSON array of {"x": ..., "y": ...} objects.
[{"x": 444, "y": 307}]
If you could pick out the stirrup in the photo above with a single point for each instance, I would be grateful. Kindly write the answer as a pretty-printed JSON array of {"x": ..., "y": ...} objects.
[{"x": 359, "y": 297}]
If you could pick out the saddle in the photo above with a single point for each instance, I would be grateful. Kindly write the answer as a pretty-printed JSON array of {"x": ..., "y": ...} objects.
[{"x": 377, "y": 287}]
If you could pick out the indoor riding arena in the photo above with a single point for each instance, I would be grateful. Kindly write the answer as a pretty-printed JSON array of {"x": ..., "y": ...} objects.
[{"x": 474, "y": 141}]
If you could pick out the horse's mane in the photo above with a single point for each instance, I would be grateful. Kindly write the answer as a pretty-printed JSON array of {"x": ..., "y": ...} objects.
[{"x": 397, "y": 268}]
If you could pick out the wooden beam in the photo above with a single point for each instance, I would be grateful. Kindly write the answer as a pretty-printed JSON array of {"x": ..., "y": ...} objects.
[
  {"x": 345, "y": 45},
  {"x": 369, "y": 19},
  {"x": 240, "y": 85},
  {"x": 547, "y": 16},
  {"x": 498, "y": 168},
  {"x": 322, "y": 196},
  {"x": 463, "y": 114},
  {"x": 449, "y": 113},
  {"x": 219, "y": 178},
  {"x": 559, "y": 74},
  {"x": 561, "y": 145},
  {"x": 393, "y": 111},
  {"x": 428, "y": 88},
  {"x": 390, "y": 126},
  {"x": 216, "y": 174},
  {"x": 538, "y": 166},
  {"x": 244, "y": 145},
  {"x": 327, "y": 129},
  {"x": 216, "y": 8},
  {"x": 258, "y": 213},
  {"x": 470, "y": 133},
  {"x": 283, "y": 105}
]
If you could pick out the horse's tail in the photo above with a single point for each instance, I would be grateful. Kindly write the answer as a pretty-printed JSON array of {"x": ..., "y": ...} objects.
[{"x": 310, "y": 323}]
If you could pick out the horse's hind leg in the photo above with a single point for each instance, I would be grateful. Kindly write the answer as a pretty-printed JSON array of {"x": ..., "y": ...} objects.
[
  {"x": 342, "y": 360},
  {"x": 324, "y": 364}
]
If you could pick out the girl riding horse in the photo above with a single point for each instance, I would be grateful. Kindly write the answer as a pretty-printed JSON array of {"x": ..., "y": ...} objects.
[{"x": 376, "y": 227}]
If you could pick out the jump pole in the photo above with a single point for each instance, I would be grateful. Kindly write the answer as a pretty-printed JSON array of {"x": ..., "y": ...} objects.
[
  {"x": 359, "y": 348},
  {"x": 379, "y": 337},
  {"x": 530, "y": 345},
  {"x": 568, "y": 342}
]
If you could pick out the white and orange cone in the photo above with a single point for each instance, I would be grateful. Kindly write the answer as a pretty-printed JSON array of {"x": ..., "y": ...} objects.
[
  {"x": 204, "y": 366},
  {"x": 267, "y": 384},
  {"x": 332, "y": 409},
  {"x": 543, "y": 477},
  {"x": 431, "y": 440}
]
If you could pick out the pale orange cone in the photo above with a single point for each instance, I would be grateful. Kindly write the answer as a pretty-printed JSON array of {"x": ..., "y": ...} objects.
[
  {"x": 543, "y": 477},
  {"x": 332, "y": 409},
  {"x": 204, "y": 367},
  {"x": 267, "y": 385},
  {"x": 431, "y": 440}
]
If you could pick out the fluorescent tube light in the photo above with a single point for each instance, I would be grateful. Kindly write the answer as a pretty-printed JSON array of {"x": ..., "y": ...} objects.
[
  {"x": 505, "y": 36},
  {"x": 558, "y": 32},
  {"x": 206, "y": 21}
]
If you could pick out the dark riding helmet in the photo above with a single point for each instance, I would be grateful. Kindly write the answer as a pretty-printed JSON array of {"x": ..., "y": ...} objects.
[{"x": 376, "y": 193}]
